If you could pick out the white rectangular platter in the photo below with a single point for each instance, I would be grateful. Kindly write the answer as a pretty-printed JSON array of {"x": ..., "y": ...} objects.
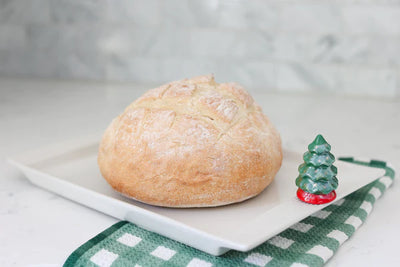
[{"x": 71, "y": 170}]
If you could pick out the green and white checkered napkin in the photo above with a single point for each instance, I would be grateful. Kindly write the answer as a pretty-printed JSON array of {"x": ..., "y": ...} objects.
[{"x": 310, "y": 242}]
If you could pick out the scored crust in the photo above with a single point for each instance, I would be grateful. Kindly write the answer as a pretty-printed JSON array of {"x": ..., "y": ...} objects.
[{"x": 191, "y": 143}]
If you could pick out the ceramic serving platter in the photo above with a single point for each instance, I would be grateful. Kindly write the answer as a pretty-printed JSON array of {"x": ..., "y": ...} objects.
[{"x": 71, "y": 170}]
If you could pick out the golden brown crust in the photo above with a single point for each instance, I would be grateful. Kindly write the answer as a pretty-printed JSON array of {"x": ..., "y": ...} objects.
[{"x": 191, "y": 143}]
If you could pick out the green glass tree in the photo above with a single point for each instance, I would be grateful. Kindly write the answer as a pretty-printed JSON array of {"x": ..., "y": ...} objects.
[{"x": 317, "y": 175}]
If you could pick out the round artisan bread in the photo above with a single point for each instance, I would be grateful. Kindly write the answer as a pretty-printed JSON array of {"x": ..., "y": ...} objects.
[{"x": 191, "y": 143}]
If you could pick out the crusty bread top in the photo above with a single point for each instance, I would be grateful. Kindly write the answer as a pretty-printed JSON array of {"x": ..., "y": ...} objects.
[
  {"x": 192, "y": 142},
  {"x": 221, "y": 105}
]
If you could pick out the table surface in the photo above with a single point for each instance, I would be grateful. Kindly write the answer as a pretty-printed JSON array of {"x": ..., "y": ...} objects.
[{"x": 39, "y": 227}]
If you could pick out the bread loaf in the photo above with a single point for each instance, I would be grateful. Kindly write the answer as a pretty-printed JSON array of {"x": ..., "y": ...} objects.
[{"x": 191, "y": 143}]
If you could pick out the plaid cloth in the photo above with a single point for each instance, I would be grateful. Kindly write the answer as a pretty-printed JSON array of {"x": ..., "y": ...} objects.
[{"x": 310, "y": 242}]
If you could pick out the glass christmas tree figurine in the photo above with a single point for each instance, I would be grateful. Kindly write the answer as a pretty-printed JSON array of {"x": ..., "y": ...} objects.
[{"x": 317, "y": 175}]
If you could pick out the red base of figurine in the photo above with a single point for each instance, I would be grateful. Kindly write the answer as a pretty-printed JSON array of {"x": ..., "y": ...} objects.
[{"x": 315, "y": 199}]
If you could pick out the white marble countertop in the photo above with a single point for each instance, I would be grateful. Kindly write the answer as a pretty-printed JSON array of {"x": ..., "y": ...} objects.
[{"x": 39, "y": 227}]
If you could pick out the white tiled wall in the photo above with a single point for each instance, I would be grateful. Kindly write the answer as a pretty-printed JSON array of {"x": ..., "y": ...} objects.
[{"x": 338, "y": 46}]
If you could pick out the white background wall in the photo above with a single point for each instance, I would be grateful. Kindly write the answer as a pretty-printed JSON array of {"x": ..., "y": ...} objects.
[{"x": 338, "y": 46}]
